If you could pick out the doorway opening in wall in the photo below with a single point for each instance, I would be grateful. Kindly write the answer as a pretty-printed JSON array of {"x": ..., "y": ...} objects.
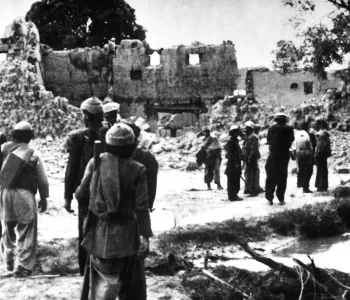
[
  {"x": 308, "y": 87},
  {"x": 155, "y": 59},
  {"x": 294, "y": 86},
  {"x": 136, "y": 75},
  {"x": 192, "y": 59}
]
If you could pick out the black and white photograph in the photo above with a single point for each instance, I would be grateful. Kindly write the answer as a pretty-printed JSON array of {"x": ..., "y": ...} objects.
[{"x": 175, "y": 149}]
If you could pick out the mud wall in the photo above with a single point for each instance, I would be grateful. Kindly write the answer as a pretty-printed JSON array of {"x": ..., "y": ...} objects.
[
  {"x": 289, "y": 89},
  {"x": 137, "y": 84}
]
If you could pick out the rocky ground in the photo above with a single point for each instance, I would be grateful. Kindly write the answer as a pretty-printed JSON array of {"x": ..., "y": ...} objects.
[{"x": 181, "y": 200}]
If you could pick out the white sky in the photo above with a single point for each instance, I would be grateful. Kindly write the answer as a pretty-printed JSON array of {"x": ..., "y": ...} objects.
[{"x": 254, "y": 26}]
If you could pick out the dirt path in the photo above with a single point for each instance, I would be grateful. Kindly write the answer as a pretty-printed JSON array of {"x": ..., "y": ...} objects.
[{"x": 181, "y": 199}]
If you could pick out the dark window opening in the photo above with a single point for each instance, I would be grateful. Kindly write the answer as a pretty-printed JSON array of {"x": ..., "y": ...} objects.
[
  {"x": 294, "y": 86},
  {"x": 133, "y": 44},
  {"x": 136, "y": 75},
  {"x": 308, "y": 87}
]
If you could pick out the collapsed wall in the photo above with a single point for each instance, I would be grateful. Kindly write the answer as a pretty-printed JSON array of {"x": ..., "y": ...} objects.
[
  {"x": 142, "y": 88},
  {"x": 22, "y": 97}
]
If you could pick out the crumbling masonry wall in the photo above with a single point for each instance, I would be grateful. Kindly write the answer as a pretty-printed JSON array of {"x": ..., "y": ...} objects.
[
  {"x": 136, "y": 84},
  {"x": 290, "y": 89}
]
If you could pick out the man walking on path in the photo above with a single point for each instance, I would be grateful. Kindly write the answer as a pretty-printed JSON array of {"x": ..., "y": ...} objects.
[
  {"x": 212, "y": 147},
  {"x": 18, "y": 209},
  {"x": 118, "y": 218},
  {"x": 251, "y": 155},
  {"x": 233, "y": 169},
  {"x": 280, "y": 137},
  {"x": 80, "y": 146}
]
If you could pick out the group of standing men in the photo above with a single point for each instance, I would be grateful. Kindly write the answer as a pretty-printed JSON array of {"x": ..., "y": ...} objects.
[
  {"x": 307, "y": 148},
  {"x": 115, "y": 185},
  {"x": 114, "y": 181}
]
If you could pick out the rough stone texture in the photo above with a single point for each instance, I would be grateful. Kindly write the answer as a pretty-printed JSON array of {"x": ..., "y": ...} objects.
[
  {"x": 273, "y": 88},
  {"x": 172, "y": 83}
]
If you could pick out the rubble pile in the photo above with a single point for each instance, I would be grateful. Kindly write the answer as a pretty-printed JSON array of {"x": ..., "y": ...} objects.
[{"x": 22, "y": 97}]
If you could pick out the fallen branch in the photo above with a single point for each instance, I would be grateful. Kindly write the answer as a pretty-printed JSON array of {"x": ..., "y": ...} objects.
[
  {"x": 267, "y": 261},
  {"x": 212, "y": 276}
]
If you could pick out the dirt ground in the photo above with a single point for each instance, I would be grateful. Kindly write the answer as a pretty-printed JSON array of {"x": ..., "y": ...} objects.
[{"x": 182, "y": 199}]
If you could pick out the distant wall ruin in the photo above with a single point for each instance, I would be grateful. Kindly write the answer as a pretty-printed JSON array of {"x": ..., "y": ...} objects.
[
  {"x": 137, "y": 85},
  {"x": 290, "y": 89}
]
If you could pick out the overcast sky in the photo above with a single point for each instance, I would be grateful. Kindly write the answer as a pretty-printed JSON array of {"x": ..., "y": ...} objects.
[{"x": 254, "y": 26}]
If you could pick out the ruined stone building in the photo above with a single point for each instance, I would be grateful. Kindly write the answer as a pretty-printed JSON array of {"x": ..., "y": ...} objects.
[
  {"x": 174, "y": 85},
  {"x": 290, "y": 89}
]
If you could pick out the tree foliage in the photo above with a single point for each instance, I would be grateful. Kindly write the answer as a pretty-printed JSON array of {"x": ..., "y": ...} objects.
[
  {"x": 287, "y": 57},
  {"x": 77, "y": 23},
  {"x": 323, "y": 44}
]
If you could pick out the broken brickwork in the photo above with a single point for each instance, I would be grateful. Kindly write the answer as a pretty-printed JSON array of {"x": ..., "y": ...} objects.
[{"x": 139, "y": 87}]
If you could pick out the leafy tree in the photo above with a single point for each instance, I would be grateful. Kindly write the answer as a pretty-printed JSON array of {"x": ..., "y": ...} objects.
[
  {"x": 83, "y": 23},
  {"x": 322, "y": 43},
  {"x": 287, "y": 57}
]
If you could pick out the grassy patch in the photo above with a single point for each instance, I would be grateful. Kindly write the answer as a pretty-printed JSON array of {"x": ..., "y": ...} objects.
[
  {"x": 311, "y": 221},
  {"x": 182, "y": 239}
]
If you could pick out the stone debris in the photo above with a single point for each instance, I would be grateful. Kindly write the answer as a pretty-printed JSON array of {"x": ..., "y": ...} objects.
[{"x": 22, "y": 97}]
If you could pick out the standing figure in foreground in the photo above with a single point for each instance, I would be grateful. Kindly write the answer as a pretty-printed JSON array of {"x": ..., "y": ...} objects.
[
  {"x": 212, "y": 147},
  {"x": 18, "y": 209},
  {"x": 251, "y": 155},
  {"x": 304, "y": 156},
  {"x": 80, "y": 146},
  {"x": 118, "y": 215},
  {"x": 322, "y": 152},
  {"x": 234, "y": 167},
  {"x": 280, "y": 137}
]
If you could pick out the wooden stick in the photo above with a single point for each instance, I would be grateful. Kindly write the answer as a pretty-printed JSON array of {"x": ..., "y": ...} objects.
[
  {"x": 267, "y": 261},
  {"x": 212, "y": 276}
]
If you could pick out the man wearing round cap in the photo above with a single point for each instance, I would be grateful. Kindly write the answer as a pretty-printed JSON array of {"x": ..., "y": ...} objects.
[
  {"x": 110, "y": 113},
  {"x": 234, "y": 166},
  {"x": 80, "y": 146},
  {"x": 251, "y": 155},
  {"x": 118, "y": 216},
  {"x": 212, "y": 161},
  {"x": 280, "y": 137},
  {"x": 22, "y": 174}
]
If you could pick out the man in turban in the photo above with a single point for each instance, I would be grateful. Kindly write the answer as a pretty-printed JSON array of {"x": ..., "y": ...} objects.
[
  {"x": 80, "y": 146},
  {"x": 22, "y": 174}
]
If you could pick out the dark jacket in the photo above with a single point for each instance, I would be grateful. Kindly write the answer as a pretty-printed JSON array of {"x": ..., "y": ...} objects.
[
  {"x": 80, "y": 146},
  {"x": 119, "y": 234},
  {"x": 147, "y": 159},
  {"x": 280, "y": 138},
  {"x": 234, "y": 156}
]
